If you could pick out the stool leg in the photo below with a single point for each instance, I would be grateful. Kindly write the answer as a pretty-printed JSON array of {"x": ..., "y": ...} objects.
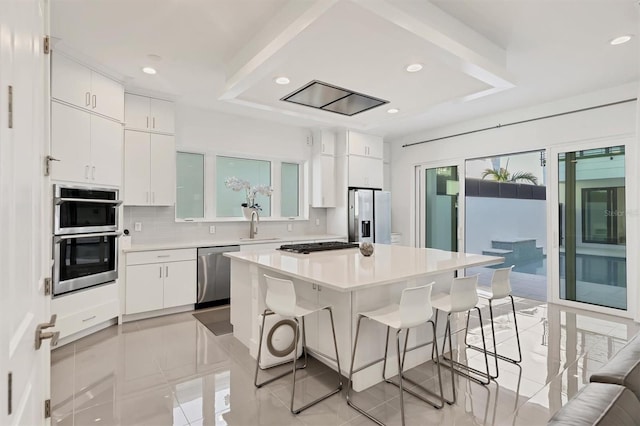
[
  {"x": 400, "y": 374},
  {"x": 335, "y": 346},
  {"x": 447, "y": 333},
  {"x": 304, "y": 343},
  {"x": 515, "y": 323},
  {"x": 493, "y": 336},
  {"x": 435, "y": 340},
  {"x": 386, "y": 351},
  {"x": 295, "y": 357},
  {"x": 255, "y": 379}
]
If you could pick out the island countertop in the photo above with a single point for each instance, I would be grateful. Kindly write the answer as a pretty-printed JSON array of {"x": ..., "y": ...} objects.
[{"x": 348, "y": 270}]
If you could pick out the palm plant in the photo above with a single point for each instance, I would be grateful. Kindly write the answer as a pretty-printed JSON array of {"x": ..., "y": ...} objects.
[{"x": 502, "y": 174}]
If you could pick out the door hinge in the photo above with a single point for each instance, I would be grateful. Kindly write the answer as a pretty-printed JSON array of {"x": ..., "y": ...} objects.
[
  {"x": 10, "y": 108},
  {"x": 9, "y": 393},
  {"x": 47, "y": 408},
  {"x": 47, "y": 45},
  {"x": 47, "y": 286}
]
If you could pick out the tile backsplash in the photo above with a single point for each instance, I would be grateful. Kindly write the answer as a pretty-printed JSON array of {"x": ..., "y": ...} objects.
[{"x": 159, "y": 226}]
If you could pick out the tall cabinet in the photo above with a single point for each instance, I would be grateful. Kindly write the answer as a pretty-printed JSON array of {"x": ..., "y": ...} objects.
[
  {"x": 323, "y": 169},
  {"x": 87, "y": 109},
  {"x": 149, "y": 152}
]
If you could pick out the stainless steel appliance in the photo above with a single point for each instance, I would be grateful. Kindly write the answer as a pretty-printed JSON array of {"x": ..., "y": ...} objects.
[
  {"x": 214, "y": 276},
  {"x": 81, "y": 210},
  {"x": 369, "y": 216},
  {"x": 306, "y": 248},
  {"x": 85, "y": 240}
]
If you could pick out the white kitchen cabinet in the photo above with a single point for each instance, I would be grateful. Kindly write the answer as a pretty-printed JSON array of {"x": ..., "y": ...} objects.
[
  {"x": 149, "y": 169},
  {"x": 82, "y": 87},
  {"x": 149, "y": 114},
  {"x": 323, "y": 169},
  {"x": 88, "y": 147},
  {"x": 365, "y": 172},
  {"x": 364, "y": 145},
  {"x": 160, "y": 279}
]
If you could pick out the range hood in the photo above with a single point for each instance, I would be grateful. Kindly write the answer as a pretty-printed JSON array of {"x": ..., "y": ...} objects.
[{"x": 327, "y": 97}]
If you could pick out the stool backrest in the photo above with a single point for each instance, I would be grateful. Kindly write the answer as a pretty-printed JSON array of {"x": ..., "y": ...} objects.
[
  {"x": 415, "y": 305},
  {"x": 500, "y": 282},
  {"x": 463, "y": 293},
  {"x": 281, "y": 296}
]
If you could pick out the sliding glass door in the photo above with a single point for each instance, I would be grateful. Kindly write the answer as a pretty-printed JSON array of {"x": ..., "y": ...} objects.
[
  {"x": 592, "y": 228},
  {"x": 438, "y": 207}
]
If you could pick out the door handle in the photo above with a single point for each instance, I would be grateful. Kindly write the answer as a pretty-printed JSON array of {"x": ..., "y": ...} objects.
[
  {"x": 166, "y": 271},
  {"x": 40, "y": 335},
  {"x": 86, "y": 172},
  {"x": 95, "y": 101},
  {"x": 87, "y": 99},
  {"x": 147, "y": 196},
  {"x": 147, "y": 122},
  {"x": 154, "y": 122},
  {"x": 93, "y": 172},
  {"x": 160, "y": 272},
  {"x": 153, "y": 197}
]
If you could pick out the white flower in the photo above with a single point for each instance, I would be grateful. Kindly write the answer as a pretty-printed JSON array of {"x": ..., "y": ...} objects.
[{"x": 250, "y": 191}]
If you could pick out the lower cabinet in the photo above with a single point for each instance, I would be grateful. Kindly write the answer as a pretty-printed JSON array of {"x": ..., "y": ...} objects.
[{"x": 159, "y": 280}]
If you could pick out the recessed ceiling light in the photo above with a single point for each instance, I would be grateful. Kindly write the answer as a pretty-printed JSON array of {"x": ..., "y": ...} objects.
[
  {"x": 414, "y": 67},
  {"x": 393, "y": 110},
  {"x": 149, "y": 70},
  {"x": 620, "y": 40},
  {"x": 282, "y": 80}
]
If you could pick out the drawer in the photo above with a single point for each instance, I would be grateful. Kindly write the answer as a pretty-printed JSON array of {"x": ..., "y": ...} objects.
[
  {"x": 77, "y": 321},
  {"x": 160, "y": 256}
]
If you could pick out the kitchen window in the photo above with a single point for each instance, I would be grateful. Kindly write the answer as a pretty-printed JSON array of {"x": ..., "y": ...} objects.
[{"x": 203, "y": 196}]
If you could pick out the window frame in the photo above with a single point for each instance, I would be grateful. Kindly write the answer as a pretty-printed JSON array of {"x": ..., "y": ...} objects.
[{"x": 210, "y": 191}]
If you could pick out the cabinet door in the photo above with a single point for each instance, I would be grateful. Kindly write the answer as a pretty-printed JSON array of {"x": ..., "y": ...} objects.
[
  {"x": 137, "y": 168},
  {"x": 70, "y": 143},
  {"x": 180, "y": 283},
  {"x": 309, "y": 292},
  {"x": 136, "y": 112},
  {"x": 107, "y": 96},
  {"x": 144, "y": 290},
  {"x": 366, "y": 145},
  {"x": 162, "y": 116},
  {"x": 365, "y": 172},
  {"x": 70, "y": 81},
  {"x": 341, "y": 307},
  {"x": 163, "y": 166},
  {"x": 106, "y": 151},
  {"x": 324, "y": 185}
]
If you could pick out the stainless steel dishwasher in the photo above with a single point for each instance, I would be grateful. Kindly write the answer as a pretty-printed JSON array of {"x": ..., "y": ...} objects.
[{"x": 214, "y": 276}]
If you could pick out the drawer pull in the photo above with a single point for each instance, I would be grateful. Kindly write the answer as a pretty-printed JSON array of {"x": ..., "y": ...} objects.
[
  {"x": 89, "y": 319},
  {"x": 164, "y": 255}
]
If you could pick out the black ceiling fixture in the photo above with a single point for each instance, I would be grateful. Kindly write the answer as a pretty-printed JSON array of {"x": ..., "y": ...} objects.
[{"x": 328, "y": 97}]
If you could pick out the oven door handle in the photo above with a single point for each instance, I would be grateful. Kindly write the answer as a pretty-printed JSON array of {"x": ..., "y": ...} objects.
[
  {"x": 59, "y": 238},
  {"x": 57, "y": 201}
]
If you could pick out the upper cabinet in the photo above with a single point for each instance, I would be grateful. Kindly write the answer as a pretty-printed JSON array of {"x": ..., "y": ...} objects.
[
  {"x": 84, "y": 88},
  {"x": 148, "y": 114},
  {"x": 323, "y": 169},
  {"x": 364, "y": 145},
  {"x": 88, "y": 147}
]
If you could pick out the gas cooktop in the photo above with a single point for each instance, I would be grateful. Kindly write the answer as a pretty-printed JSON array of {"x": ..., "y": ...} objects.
[{"x": 311, "y": 247}]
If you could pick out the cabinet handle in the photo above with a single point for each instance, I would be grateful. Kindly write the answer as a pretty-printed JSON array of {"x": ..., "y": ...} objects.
[
  {"x": 153, "y": 197},
  {"x": 95, "y": 101},
  {"x": 323, "y": 148},
  {"x": 86, "y": 172},
  {"x": 87, "y": 99},
  {"x": 146, "y": 197},
  {"x": 89, "y": 319},
  {"x": 160, "y": 271},
  {"x": 93, "y": 172},
  {"x": 154, "y": 122},
  {"x": 147, "y": 122},
  {"x": 166, "y": 271}
]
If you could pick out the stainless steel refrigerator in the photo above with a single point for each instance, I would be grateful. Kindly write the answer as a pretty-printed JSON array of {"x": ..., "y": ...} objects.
[{"x": 369, "y": 216}]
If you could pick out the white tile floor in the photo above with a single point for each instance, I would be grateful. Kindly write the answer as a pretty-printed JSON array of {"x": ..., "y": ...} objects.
[{"x": 173, "y": 371}]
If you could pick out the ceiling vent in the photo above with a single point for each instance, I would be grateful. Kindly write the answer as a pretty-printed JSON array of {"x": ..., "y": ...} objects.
[{"x": 327, "y": 97}]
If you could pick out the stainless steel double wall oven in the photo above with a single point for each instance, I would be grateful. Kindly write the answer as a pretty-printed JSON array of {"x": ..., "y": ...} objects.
[{"x": 85, "y": 240}]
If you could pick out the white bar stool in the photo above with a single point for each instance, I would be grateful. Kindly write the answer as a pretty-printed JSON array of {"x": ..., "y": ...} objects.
[
  {"x": 500, "y": 289},
  {"x": 462, "y": 298},
  {"x": 414, "y": 309},
  {"x": 281, "y": 299}
]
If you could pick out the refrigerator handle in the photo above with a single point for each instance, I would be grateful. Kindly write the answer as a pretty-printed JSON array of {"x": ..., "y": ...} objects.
[{"x": 366, "y": 229}]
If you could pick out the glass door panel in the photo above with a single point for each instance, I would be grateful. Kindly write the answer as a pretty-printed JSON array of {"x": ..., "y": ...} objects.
[
  {"x": 592, "y": 239},
  {"x": 441, "y": 208}
]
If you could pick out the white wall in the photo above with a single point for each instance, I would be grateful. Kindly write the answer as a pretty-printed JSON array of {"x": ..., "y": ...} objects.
[{"x": 206, "y": 131}]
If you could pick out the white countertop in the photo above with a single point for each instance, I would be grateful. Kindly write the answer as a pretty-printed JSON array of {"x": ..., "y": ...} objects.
[
  {"x": 217, "y": 243},
  {"x": 348, "y": 270}
]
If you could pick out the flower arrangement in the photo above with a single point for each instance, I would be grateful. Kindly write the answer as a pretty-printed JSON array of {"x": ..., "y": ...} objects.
[{"x": 250, "y": 191}]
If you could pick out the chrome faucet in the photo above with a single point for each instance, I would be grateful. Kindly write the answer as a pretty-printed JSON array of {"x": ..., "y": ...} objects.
[{"x": 255, "y": 218}]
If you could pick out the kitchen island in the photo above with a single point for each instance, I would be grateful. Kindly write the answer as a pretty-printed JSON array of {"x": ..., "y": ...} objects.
[{"x": 351, "y": 283}]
